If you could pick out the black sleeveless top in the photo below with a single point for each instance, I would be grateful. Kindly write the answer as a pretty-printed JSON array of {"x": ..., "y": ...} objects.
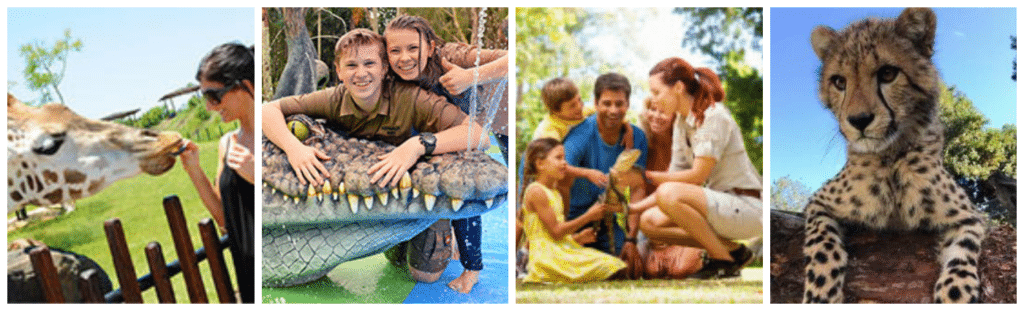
[{"x": 237, "y": 196}]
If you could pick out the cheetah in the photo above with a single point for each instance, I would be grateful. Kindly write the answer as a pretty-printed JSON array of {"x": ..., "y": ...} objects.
[{"x": 878, "y": 80}]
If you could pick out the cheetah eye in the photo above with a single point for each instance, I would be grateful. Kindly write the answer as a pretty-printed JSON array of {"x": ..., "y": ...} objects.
[
  {"x": 887, "y": 73},
  {"x": 838, "y": 81}
]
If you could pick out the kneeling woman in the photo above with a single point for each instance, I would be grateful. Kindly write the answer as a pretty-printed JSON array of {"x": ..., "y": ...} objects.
[{"x": 716, "y": 201}]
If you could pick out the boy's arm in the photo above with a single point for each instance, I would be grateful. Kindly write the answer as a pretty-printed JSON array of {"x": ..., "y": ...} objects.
[
  {"x": 305, "y": 160},
  {"x": 391, "y": 165}
]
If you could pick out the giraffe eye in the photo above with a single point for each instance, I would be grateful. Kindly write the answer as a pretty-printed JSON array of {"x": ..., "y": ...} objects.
[
  {"x": 49, "y": 145},
  {"x": 839, "y": 82},
  {"x": 887, "y": 73}
]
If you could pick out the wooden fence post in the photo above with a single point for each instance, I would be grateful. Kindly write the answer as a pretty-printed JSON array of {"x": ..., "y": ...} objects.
[
  {"x": 122, "y": 261},
  {"x": 158, "y": 269},
  {"x": 89, "y": 287},
  {"x": 214, "y": 254},
  {"x": 183, "y": 246},
  {"x": 46, "y": 273}
]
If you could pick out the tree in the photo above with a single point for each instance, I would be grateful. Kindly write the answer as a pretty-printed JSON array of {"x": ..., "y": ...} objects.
[
  {"x": 789, "y": 194},
  {"x": 982, "y": 160},
  {"x": 546, "y": 47},
  {"x": 45, "y": 66},
  {"x": 719, "y": 31}
]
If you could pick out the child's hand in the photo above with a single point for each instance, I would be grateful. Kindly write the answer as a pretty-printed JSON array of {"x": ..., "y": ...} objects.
[
  {"x": 596, "y": 177},
  {"x": 456, "y": 79},
  {"x": 595, "y": 212},
  {"x": 393, "y": 164},
  {"x": 586, "y": 236},
  {"x": 305, "y": 160}
]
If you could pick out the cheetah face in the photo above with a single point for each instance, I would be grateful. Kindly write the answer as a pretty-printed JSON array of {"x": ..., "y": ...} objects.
[{"x": 878, "y": 80}]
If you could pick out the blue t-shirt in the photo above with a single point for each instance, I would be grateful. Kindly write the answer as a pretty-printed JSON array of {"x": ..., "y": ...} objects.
[{"x": 585, "y": 148}]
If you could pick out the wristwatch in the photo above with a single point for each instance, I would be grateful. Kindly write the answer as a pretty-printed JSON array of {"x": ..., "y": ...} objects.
[{"x": 429, "y": 142}]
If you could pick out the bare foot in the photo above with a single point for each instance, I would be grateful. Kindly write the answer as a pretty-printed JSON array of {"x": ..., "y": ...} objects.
[{"x": 464, "y": 283}]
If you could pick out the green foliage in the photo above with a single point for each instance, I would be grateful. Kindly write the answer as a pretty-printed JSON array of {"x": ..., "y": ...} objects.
[
  {"x": 719, "y": 31},
  {"x": 972, "y": 150},
  {"x": 744, "y": 89},
  {"x": 545, "y": 49},
  {"x": 789, "y": 194},
  {"x": 45, "y": 66},
  {"x": 152, "y": 117}
]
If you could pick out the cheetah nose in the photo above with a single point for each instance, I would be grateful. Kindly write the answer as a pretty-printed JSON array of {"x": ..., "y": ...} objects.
[{"x": 861, "y": 121}]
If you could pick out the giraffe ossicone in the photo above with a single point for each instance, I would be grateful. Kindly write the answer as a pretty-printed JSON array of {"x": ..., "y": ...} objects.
[{"x": 55, "y": 155}]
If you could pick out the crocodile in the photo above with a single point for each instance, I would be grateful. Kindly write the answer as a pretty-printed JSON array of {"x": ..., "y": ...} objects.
[{"x": 308, "y": 230}]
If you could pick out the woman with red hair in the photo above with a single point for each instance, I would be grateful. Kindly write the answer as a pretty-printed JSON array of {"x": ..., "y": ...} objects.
[{"x": 718, "y": 199}]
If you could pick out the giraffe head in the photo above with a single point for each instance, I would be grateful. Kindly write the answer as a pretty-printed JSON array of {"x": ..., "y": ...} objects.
[{"x": 55, "y": 155}]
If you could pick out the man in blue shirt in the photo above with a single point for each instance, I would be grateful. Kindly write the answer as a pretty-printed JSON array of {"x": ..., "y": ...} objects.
[{"x": 596, "y": 143}]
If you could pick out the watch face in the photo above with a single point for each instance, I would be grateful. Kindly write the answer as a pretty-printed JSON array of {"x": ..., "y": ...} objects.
[{"x": 429, "y": 138}]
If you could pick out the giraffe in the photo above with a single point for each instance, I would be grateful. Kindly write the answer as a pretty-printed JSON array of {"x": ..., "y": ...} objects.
[{"x": 55, "y": 155}]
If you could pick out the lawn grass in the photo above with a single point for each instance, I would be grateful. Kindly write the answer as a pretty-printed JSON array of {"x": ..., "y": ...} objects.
[
  {"x": 747, "y": 289},
  {"x": 138, "y": 203}
]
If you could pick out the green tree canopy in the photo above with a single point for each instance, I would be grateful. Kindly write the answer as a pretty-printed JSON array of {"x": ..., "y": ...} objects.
[
  {"x": 789, "y": 194},
  {"x": 45, "y": 65}
]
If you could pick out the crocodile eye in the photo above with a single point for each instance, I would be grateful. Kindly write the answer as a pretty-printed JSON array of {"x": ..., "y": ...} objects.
[
  {"x": 887, "y": 73},
  {"x": 838, "y": 81}
]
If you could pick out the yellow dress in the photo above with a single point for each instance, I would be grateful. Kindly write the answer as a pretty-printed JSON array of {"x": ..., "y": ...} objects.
[{"x": 562, "y": 260}]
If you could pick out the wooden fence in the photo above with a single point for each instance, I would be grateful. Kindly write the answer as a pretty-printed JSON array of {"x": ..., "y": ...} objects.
[{"x": 160, "y": 273}]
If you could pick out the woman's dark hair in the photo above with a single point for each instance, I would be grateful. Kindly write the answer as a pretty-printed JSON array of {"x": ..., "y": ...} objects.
[
  {"x": 702, "y": 83},
  {"x": 228, "y": 63},
  {"x": 433, "y": 71}
]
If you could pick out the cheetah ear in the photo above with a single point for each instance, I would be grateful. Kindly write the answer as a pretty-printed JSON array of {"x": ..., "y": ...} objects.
[
  {"x": 821, "y": 40},
  {"x": 918, "y": 25}
]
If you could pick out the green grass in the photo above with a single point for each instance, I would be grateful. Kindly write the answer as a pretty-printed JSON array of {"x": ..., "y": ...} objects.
[
  {"x": 138, "y": 203},
  {"x": 747, "y": 289}
]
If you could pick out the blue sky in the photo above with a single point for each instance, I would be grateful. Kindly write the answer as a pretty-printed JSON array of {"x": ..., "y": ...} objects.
[
  {"x": 130, "y": 57},
  {"x": 972, "y": 52}
]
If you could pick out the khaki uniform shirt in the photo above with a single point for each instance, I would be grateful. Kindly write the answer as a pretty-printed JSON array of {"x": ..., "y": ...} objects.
[{"x": 391, "y": 119}]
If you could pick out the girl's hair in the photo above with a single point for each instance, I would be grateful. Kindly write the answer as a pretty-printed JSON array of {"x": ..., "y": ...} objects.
[
  {"x": 536, "y": 150},
  {"x": 364, "y": 37},
  {"x": 228, "y": 63},
  {"x": 433, "y": 71},
  {"x": 702, "y": 83}
]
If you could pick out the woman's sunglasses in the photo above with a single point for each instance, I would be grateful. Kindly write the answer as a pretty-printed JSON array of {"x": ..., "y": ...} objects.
[{"x": 213, "y": 96}]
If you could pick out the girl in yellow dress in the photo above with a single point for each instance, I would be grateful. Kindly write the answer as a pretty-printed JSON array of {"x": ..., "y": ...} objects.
[{"x": 554, "y": 256}]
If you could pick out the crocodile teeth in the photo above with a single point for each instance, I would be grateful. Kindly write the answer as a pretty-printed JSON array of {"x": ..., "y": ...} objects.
[
  {"x": 415, "y": 193},
  {"x": 489, "y": 202},
  {"x": 310, "y": 192},
  {"x": 457, "y": 204},
  {"x": 404, "y": 185},
  {"x": 429, "y": 200},
  {"x": 334, "y": 196},
  {"x": 341, "y": 188},
  {"x": 394, "y": 193},
  {"x": 327, "y": 188},
  {"x": 296, "y": 199},
  {"x": 353, "y": 203},
  {"x": 383, "y": 196},
  {"x": 369, "y": 202}
]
